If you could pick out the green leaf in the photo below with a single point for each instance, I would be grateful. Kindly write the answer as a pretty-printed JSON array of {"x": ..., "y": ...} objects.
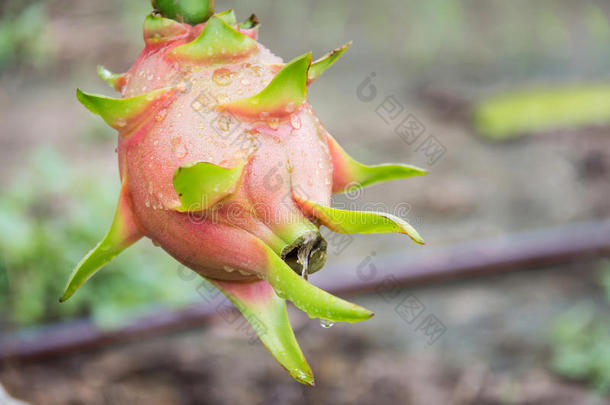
[
  {"x": 218, "y": 42},
  {"x": 349, "y": 174},
  {"x": 283, "y": 95},
  {"x": 122, "y": 234},
  {"x": 123, "y": 113},
  {"x": 267, "y": 315},
  {"x": 201, "y": 185},
  {"x": 314, "y": 301},
  {"x": 114, "y": 80},
  {"x": 343, "y": 221},
  {"x": 319, "y": 66},
  {"x": 158, "y": 29},
  {"x": 228, "y": 16},
  {"x": 251, "y": 22}
]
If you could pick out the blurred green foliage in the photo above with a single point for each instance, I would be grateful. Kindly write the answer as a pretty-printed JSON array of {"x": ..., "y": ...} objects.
[
  {"x": 580, "y": 342},
  {"x": 23, "y": 37},
  {"x": 51, "y": 216},
  {"x": 517, "y": 113}
]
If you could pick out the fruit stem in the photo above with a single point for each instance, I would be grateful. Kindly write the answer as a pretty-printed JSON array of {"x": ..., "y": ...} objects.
[{"x": 186, "y": 11}]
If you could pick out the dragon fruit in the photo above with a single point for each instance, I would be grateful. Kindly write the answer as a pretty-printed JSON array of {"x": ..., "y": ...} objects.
[{"x": 225, "y": 166}]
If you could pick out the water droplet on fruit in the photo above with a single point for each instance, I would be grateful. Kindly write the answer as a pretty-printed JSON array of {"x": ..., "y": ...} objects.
[
  {"x": 150, "y": 76},
  {"x": 161, "y": 115},
  {"x": 325, "y": 323},
  {"x": 181, "y": 151},
  {"x": 245, "y": 82},
  {"x": 274, "y": 123},
  {"x": 256, "y": 69},
  {"x": 224, "y": 122},
  {"x": 121, "y": 122},
  {"x": 295, "y": 121},
  {"x": 222, "y": 77},
  {"x": 290, "y": 107}
]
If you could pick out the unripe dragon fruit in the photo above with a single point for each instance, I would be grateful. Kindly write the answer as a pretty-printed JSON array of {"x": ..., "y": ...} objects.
[{"x": 207, "y": 117}]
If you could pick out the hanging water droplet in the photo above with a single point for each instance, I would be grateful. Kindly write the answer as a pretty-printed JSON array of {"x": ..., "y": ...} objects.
[
  {"x": 222, "y": 77},
  {"x": 325, "y": 323},
  {"x": 295, "y": 121}
]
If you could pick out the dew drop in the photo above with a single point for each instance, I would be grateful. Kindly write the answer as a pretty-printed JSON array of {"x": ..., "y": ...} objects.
[
  {"x": 256, "y": 69},
  {"x": 161, "y": 116},
  {"x": 224, "y": 122},
  {"x": 325, "y": 323},
  {"x": 274, "y": 123},
  {"x": 181, "y": 151},
  {"x": 295, "y": 121},
  {"x": 222, "y": 77}
]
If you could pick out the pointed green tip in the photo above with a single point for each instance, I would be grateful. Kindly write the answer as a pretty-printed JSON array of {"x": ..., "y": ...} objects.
[
  {"x": 319, "y": 66},
  {"x": 114, "y": 80},
  {"x": 305, "y": 378},
  {"x": 124, "y": 113},
  {"x": 251, "y": 22}
]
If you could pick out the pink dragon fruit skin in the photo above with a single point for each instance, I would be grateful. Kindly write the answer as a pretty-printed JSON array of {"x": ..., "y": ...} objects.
[{"x": 224, "y": 165}]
